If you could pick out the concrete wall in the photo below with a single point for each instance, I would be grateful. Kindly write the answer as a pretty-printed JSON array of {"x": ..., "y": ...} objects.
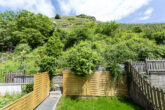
[
  {"x": 157, "y": 80},
  {"x": 10, "y": 88}
]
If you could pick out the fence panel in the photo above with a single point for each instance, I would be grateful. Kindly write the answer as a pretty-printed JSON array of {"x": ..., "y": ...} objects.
[
  {"x": 33, "y": 99},
  {"x": 97, "y": 84},
  {"x": 153, "y": 95}
]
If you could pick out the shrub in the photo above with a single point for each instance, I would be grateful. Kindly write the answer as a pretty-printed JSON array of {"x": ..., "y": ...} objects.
[
  {"x": 57, "y": 16},
  {"x": 28, "y": 88},
  {"x": 48, "y": 64},
  {"x": 83, "y": 60},
  {"x": 22, "y": 47}
]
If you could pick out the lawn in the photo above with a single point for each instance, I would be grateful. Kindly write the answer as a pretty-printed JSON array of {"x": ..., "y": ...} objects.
[{"x": 102, "y": 103}]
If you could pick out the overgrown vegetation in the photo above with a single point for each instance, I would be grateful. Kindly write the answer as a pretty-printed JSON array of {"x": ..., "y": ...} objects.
[
  {"x": 79, "y": 42},
  {"x": 27, "y": 88}
]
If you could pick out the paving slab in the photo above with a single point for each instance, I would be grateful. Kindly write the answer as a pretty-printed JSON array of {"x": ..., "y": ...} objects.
[{"x": 50, "y": 102}]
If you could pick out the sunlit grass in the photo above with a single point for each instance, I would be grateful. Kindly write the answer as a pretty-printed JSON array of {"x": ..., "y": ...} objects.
[{"x": 102, "y": 103}]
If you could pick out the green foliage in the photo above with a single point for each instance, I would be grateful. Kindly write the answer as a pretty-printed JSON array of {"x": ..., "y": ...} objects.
[
  {"x": 92, "y": 18},
  {"x": 28, "y": 88},
  {"x": 54, "y": 46},
  {"x": 24, "y": 27},
  {"x": 83, "y": 60},
  {"x": 48, "y": 64},
  {"x": 57, "y": 16},
  {"x": 52, "y": 87},
  {"x": 22, "y": 47},
  {"x": 29, "y": 35},
  {"x": 159, "y": 37},
  {"x": 7, "y": 99},
  {"x": 107, "y": 28},
  {"x": 137, "y": 29},
  {"x": 116, "y": 72},
  {"x": 79, "y": 34},
  {"x": 130, "y": 46}
]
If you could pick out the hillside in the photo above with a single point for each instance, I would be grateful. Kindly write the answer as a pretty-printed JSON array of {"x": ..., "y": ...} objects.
[{"x": 68, "y": 22}]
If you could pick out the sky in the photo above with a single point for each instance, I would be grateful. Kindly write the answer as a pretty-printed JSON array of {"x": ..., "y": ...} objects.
[{"x": 123, "y": 11}]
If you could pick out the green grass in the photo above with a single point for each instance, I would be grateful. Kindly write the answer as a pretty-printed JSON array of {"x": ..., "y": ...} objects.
[
  {"x": 7, "y": 99},
  {"x": 13, "y": 63},
  {"x": 102, "y": 103}
]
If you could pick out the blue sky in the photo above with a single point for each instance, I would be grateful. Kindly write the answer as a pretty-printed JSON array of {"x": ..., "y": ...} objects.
[{"x": 123, "y": 11}]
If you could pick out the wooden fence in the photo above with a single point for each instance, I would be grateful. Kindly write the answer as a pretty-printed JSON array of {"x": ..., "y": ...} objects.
[
  {"x": 33, "y": 99},
  {"x": 155, "y": 65},
  {"x": 97, "y": 84},
  {"x": 154, "y": 95},
  {"x": 14, "y": 77}
]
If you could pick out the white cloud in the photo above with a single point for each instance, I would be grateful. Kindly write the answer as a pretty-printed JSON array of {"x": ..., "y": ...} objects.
[
  {"x": 147, "y": 14},
  {"x": 37, "y": 6},
  {"x": 103, "y": 10}
]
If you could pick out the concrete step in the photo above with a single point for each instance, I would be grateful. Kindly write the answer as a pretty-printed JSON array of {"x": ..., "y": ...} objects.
[{"x": 55, "y": 93}]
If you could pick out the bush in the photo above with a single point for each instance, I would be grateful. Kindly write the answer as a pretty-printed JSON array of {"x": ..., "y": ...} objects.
[
  {"x": 48, "y": 64},
  {"x": 28, "y": 88},
  {"x": 83, "y": 60},
  {"x": 22, "y": 47},
  {"x": 57, "y": 16}
]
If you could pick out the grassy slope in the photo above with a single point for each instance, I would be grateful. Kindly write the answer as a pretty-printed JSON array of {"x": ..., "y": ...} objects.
[
  {"x": 15, "y": 61},
  {"x": 69, "y": 22},
  {"x": 101, "y": 103}
]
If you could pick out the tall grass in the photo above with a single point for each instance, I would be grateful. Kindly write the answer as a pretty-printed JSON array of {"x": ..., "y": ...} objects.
[{"x": 102, "y": 103}]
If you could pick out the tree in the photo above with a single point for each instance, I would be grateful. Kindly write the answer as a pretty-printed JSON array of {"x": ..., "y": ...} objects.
[
  {"x": 159, "y": 37},
  {"x": 107, "y": 28},
  {"x": 30, "y": 36},
  {"x": 15, "y": 27},
  {"x": 48, "y": 64},
  {"x": 137, "y": 29},
  {"x": 26, "y": 19},
  {"x": 79, "y": 34},
  {"x": 22, "y": 47},
  {"x": 54, "y": 46},
  {"x": 57, "y": 16}
]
